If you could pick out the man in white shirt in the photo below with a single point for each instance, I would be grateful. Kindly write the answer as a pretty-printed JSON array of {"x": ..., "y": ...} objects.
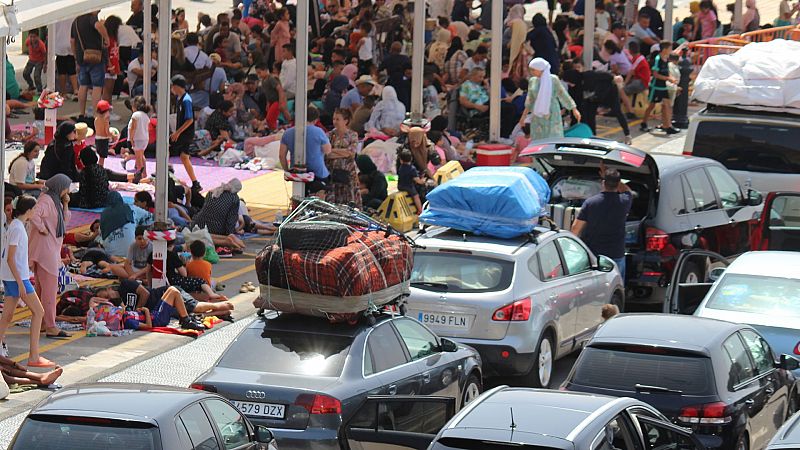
[
  {"x": 288, "y": 74},
  {"x": 194, "y": 54},
  {"x": 65, "y": 60},
  {"x": 136, "y": 71}
]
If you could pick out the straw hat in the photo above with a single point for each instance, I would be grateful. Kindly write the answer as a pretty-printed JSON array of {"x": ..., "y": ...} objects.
[
  {"x": 365, "y": 79},
  {"x": 83, "y": 131}
]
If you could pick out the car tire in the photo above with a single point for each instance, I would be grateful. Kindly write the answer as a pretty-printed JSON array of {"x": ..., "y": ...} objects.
[
  {"x": 618, "y": 300},
  {"x": 541, "y": 373},
  {"x": 472, "y": 389},
  {"x": 742, "y": 443},
  {"x": 791, "y": 407},
  {"x": 691, "y": 273}
]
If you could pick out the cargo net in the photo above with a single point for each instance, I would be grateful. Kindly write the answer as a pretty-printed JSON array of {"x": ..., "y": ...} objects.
[{"x": 333, "y": 261}]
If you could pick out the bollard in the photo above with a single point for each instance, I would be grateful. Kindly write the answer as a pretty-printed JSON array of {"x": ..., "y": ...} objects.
[
  {"x": 680, "y": 118},
  {"x": 159, "y": 239}
]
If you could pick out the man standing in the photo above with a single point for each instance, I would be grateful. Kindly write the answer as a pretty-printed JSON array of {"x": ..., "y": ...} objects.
[
  {"x": 65, "y": 60},
  {"x": 601, "y": 222},
  {"x": 317, "y": 146},
  {"x": 88, "y": 33},
  {"x": 183, "y": 136}
]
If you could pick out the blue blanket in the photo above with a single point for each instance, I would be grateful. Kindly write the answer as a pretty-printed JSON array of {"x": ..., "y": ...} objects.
[{"x": 128, "y": 200}]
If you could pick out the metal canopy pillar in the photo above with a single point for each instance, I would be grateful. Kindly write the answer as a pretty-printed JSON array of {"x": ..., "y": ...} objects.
[
  {"x": 496, "y": 70},
  {"x": 668, "y": 10},
  {"x": 301, "y": 95},
  {"x": 588, "y": 34},
  {"x": 12, "y": 29},
  {"x": 417, "y": 60},
  {"x": 162, "y": 104},
  {"x": 737, "y": 24},
  {"x": 147, "y": 45},
  {"x": 51, "y": 58}
]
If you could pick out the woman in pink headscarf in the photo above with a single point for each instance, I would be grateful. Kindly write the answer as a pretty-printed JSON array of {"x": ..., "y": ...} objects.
[
  {"x": 751, "y": 20},
  {"x": 351, "y": 72}
]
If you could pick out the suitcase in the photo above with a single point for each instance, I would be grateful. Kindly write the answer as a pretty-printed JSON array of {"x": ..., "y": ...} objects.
[
  {"x": 570, "y": 215},
  {"x": 557, "y": 214}
]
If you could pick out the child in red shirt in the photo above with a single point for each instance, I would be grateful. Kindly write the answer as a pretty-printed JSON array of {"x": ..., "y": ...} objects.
[{"x": 37, "y": 57}]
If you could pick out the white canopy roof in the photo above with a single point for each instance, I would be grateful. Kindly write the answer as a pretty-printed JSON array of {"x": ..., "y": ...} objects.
[{"x": 37, "y": 13}]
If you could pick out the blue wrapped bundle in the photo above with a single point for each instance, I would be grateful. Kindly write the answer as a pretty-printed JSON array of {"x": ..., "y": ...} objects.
[{"x": 503, "y": 202}]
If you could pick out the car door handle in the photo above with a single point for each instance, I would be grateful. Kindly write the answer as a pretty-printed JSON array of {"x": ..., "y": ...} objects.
[
  {"x": 426, "y": 377},
  {"x": 392, "y": 389},
  {"x": 553, "y": 297},
  {"x": 769, "y": 391},
  {"x": 749, "y": 402}
]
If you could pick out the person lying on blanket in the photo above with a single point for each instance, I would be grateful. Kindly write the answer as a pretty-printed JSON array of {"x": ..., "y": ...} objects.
[
  {"x": 170, "y": 305},
  {"x": 87, "y": 238},
  {"x": 135, "y": 296}
]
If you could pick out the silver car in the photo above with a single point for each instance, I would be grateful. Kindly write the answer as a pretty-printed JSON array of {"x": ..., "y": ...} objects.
[{"x": 522, "y": 303}]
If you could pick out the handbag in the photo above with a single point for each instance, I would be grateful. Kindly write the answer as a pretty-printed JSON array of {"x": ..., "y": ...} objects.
[{"x": 90, "y": 56}]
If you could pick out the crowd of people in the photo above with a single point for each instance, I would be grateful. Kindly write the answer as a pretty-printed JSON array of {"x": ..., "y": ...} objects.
[{"x": 233, "y": 86}]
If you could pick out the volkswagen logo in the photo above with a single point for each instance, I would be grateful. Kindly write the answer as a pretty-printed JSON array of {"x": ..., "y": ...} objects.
[{"x": 256, "y": 395}]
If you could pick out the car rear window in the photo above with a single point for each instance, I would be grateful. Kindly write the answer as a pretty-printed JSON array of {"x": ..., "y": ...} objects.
[
  {"x": 776, "y": 297},
  {"x": 622, "y": 368},
  {"x": 749, "y": 147},
  {"x": 62, "y": 432},
  {"x": 457, "y": 272},
  {"x": 288, "y": 352},
  {"x": 478, "y": 444}
]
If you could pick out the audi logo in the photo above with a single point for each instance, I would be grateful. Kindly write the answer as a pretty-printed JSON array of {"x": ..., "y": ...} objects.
[{"x": 258, "y": 395}]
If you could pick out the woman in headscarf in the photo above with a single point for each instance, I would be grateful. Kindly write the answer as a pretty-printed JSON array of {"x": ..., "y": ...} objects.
[
  {"x": 341, "y": 160},
  {"x": 339, "y": 86},
  {"x": 544, "y": 43},
  {"x": 280, "y": 34},
  {"x": 374, "y": 188},
  {"x": 388, "y": 114},
  {"x": 118, "y": 223},
  {"x": 46, "y": 230},
  {"x": 515, "y": 23},
  {"x": 546, "y": 98},
  {"x": 59, "y": 157},
  {"x": 351, "y": 72},
  {"x": 93, "y": 190},
  {"x": 220, "y": 214},
  {"x": 751, "y": 20},
  {"x": 438, "y": 50}
]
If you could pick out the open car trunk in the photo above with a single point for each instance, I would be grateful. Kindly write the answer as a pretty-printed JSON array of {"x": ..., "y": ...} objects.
[{"x": 571, "y": 168}]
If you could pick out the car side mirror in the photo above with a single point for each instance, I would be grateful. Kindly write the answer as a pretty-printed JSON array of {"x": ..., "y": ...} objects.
[
  {"x": 789, "y": 362},
  {"x": 264, "y": 435},
  {"x": 604, "y": 264},
  {"x": 754, "y": 198},
  {"x": 716, "y": 273},
  {"x": 448, "y": 346}
]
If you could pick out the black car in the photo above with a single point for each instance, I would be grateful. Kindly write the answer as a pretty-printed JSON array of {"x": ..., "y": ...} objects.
[
  {"x": 679, "y": 202},
  {"x": 137, "y": 417},
  {"x": 300, "y": 375},
  {"x": 509, "y": 418},
  {"x": 719, "y": 378}
]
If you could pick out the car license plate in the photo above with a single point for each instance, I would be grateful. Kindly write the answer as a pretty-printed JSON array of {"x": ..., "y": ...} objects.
[
  {"x": 268, "y": 410},
  {"x": 459, "y": 321}
]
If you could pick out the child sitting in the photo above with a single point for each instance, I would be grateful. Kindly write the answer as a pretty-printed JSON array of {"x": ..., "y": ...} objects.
[
  {"x": 140, "y": 253},
  {"x": 408, "y": 177},
  {"x": 198, "y": 267}
]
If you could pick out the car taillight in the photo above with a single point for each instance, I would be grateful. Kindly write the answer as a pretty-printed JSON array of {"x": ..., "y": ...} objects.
[
  {"x": 687, "y": 153},
  {"x": 708, "y": 414},
  {"x": 203, "y": 387},
  {"x": 655, "y": 240},
  {"x": 519, "y": 311},
  {"x": 797, "y": 349},
  {"x": 319, "y": 404}
]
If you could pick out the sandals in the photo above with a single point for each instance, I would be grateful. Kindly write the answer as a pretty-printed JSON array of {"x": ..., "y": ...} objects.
[
  {"x": 219, "y": 287},
  {"x": 247, "y": 287},
  {"x": 43, "y": 363},
  {"x": 61, "y": 335}
]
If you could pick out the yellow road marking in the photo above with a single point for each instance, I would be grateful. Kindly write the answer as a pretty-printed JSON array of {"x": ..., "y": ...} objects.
[
  {"x": 236, "y": 273},
  {"x": 632, "y": 123},
  {"x": 58, "y": 343}
]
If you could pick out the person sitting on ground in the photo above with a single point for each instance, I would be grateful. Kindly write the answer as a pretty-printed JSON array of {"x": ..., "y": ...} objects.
[
  {"x": 388, "y": 114},
  {"x": 474, "y": 94},
  {"x": 178, "y": 276},
  {"x": 15, "y": 373},
  {"x": 59, "y": 157},
  {"x": 171, "y": 304},
  {"x": 374, "y": 186},
  {"x": 118, "y": 223},
  {"x": 408, "y": 178},
  {"x": 93, "y": 189},
  {"x": 220, "y": 214},
  {"x": 219, "y": 126},
  {"x": 140, "y": 254},
  {"x": 362, "y": 114},
  {"x": 97, "y": 263},
  {"x": 22, "y": 170},
  {"x": 198, "y": 267}
]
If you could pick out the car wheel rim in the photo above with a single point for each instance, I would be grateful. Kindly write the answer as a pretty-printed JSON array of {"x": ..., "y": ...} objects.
[
  {"x": 471, "y": 393},
  {"x": 692, "y": 278},
  {"x": 545, "y": 362},
  {"x": 742, "y": 445}
]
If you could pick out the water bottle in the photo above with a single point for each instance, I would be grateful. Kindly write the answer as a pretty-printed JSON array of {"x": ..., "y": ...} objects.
[{"x": 90, "y": 331}]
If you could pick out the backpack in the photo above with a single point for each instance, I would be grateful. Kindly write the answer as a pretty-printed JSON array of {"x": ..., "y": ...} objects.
[
  {"x": 110, "y": 314},
  {"x": 74, "y": 303}
]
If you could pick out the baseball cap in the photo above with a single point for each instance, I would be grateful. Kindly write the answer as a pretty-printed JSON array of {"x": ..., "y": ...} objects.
[
  {"x": 365, "y": 79},
  {"x": 103, "y": 106},
  {"x": 179, "y": 80},
  {"x": 339, "y": 42}
]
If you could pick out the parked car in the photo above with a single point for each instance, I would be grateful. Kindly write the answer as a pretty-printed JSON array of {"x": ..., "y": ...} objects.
[
  {"x": 505, "y": 417},
  {"x": 761, "y": 289},
  {"x": 758, "y": 147},
  {"x": 719, "y": 378},
  {"x": 522, "y": 303},
  {"x": 679, "y": 203},
  {"x": 138, "y": 417},
  {"x": 300, "y": 375},
  {"x": 788, "y": 437}
]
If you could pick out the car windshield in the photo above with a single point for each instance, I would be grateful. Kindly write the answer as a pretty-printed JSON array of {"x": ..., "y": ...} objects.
[
  {"x": 457, "y": 272},
  {"x": 749, "y": 147},
  {"x": 622, "y": 368},
  {"x": 57, "y": 432},
  {"x": 772, "y": 296},
  {"x": 288, "y": 352}
]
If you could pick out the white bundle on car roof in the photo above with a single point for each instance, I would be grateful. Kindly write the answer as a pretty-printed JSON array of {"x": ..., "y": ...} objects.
[{"x": 762, "y": 76}]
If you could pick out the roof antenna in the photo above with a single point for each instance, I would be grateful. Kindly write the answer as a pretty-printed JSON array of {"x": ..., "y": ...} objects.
[{"x": 513, "y": 424}]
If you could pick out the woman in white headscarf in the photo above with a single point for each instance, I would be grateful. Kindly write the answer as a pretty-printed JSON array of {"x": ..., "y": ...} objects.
[
  {"x": 546, "y": 98},
  {"x": 388, "y": 114}
]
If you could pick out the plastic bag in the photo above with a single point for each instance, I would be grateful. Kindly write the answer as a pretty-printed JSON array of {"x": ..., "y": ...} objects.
[
  {"x": 98, "y": 329},
  {"x": 197, "y": 234},
  {"x": 231, "y": 157}
]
